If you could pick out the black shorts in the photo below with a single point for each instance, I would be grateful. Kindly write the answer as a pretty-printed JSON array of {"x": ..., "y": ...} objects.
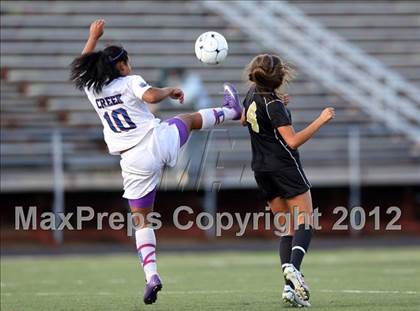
[{"x": 286, "y": 183}]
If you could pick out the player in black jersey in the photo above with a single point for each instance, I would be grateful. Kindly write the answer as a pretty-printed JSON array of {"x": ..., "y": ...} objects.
[{"x": 277, "y": 167}]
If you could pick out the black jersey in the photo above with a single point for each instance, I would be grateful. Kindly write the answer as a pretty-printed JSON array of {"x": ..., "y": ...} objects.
[{"x": 264, "y": 114}]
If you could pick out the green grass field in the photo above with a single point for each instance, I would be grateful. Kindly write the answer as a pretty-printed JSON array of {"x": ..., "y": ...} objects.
[{"x": 385, "y": 279}]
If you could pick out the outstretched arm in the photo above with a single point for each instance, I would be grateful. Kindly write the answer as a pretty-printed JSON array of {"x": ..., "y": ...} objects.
[
  {"x": 155, "y": 95},
  {"x": 294, "y": 140},
  {"x": 95, "y": 32}
]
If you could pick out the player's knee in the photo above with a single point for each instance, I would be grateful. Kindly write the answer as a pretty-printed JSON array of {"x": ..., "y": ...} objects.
[
  {"x": 140, "y": 217},
  {"x": 278, "y": 205}
]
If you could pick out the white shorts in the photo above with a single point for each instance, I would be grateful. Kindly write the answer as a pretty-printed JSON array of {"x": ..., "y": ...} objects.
[{"x": 142, "y": 165}]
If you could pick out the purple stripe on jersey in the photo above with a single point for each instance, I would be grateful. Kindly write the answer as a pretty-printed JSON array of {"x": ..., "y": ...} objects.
[
  {"x": 144, "y": 202},
  {"x": 182, "y": 129}
]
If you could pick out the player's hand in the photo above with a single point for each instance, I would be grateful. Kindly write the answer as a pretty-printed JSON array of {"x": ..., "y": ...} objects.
[
  {"x": 284, "y": 98},
  {"x": 327, "y": 114},
  {"x": 243, "y": 119},
  {"x": 177, "y": 94},
  {"x": 97, "y": 29}
]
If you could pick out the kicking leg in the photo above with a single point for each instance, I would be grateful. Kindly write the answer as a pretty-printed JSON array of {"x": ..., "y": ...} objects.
[
  {"x": 146, "y": 245},
  {"x": 208, "y": 118}
]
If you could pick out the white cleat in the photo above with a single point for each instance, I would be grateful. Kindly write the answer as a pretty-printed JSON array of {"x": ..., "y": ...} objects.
[
  {"x": 290, "y": 297},
  {"x": 292, "y": 274}
]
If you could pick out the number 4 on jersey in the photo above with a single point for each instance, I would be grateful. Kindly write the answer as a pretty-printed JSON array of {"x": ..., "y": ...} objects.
[
  {"x": 251, "y": 117},
  {"x": 120, "y": 121}
]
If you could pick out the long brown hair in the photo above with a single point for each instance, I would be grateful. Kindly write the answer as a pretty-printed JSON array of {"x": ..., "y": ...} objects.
[{"x": 268, "y": 72}]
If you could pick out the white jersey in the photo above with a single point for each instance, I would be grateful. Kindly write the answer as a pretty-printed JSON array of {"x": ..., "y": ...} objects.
[{"x": 125, "y": 117}]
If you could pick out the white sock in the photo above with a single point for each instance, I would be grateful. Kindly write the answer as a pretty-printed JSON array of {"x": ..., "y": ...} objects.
[
  {"x": 214, "y": 116},
  {"x": 146, "y": 247}
]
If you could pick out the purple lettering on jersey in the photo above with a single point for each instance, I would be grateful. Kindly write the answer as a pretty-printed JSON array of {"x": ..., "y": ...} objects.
[
  {"x": 118, "y": 98},
  {"x": 100, "y": 102},
  {"x": 109, "y": 101}
]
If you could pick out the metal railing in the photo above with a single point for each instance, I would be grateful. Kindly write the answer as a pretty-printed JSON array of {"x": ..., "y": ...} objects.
[{"x": 337, "y": 64}]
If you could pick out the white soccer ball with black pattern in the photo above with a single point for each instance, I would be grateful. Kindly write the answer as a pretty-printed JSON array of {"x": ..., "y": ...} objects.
[{"x": 211, "y": 48}]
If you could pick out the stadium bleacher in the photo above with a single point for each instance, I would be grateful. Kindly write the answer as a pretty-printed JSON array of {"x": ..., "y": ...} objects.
[{"x": 38, "y": 42}]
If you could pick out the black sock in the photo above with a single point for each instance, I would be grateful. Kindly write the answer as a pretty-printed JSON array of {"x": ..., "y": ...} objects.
[
  {"x": 300, "y": 245},
  {"x": 285, "y": 251}
]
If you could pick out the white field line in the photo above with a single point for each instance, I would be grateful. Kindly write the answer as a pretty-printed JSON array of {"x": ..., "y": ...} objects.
[
  {"x": 347, "y": 291},
  {"x": 216, "y": 292},
  {"x": 359, "y": 291},
  {"x": 198, "y": 292}
]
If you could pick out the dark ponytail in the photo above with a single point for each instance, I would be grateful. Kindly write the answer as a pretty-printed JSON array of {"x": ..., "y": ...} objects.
[{"x": 96, "y": 69}]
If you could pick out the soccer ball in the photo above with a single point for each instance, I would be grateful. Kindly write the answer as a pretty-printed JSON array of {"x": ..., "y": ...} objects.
[{"x": 211, "y": 48}]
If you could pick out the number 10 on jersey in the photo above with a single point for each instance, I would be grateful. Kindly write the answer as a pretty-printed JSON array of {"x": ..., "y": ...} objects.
[{"x": 119, "y": 121}]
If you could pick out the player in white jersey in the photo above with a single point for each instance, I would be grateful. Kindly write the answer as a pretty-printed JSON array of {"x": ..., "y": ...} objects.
[{"x": 144, "y": 143}]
